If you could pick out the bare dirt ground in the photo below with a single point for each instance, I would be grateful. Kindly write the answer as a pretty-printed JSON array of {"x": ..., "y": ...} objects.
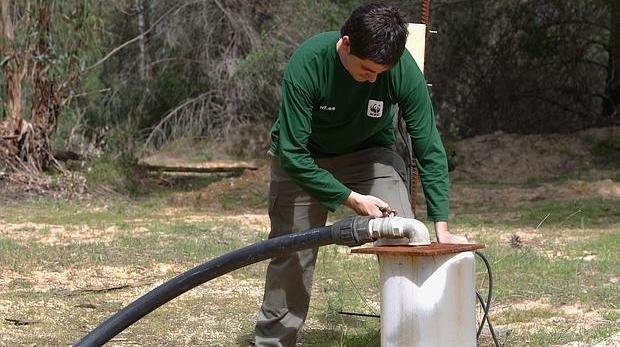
[
  {"x": 511, "y": 158},
  {"x": 464, "y": 194}
]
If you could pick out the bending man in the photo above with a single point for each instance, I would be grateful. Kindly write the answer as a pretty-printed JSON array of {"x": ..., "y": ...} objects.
[{"x": 332, "y": 144}]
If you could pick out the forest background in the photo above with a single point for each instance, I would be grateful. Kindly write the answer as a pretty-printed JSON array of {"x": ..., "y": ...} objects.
[{"x": 126, "y": 77}]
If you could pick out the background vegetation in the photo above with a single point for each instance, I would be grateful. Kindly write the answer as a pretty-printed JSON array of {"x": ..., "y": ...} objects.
[{"x": 145, "y": 72}]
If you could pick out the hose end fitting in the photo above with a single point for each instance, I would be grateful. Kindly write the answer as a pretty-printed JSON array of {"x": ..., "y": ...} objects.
[{"x": 352, "y": 231}]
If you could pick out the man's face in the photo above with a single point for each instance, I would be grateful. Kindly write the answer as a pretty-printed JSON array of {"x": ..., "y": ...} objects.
[{"x": 362, "y": 70}]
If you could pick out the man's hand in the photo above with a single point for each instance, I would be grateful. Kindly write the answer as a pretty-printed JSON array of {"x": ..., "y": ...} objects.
[
  {"x": 444, "y": 236},
  {"x": 365, "y": 205}
]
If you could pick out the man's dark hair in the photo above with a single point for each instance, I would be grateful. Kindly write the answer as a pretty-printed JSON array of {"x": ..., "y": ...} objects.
[{"x": 377, "y": 32}]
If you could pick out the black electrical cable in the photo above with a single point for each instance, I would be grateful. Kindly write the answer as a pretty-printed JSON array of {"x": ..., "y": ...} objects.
[
  {"x": 359, "y": 314},
  {"x": 409, "y": 161},
  {"x": 350, "y": 232},
  {"x": 486, "y": 307}
]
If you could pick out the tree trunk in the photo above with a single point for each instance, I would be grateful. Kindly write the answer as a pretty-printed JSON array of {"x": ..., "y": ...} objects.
[
  {"x": 26, "y": 145},
  {"x": 611, "y": 104},
  {"x": 142, "y": 7},
  {"x": 14, "y": 71},
  {"x": 11, "y": 127},
  {"x": 45, "y": 99}
]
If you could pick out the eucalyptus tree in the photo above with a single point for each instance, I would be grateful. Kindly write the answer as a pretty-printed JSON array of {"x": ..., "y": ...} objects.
[{"x": 45, "y": 47}]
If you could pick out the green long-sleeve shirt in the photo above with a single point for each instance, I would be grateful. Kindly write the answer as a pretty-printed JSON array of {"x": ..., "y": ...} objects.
[{"x": 325, "y": 112}]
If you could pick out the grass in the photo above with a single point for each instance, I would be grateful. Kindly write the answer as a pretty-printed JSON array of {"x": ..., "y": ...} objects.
[
  {"x": 558, "y": 271},
  {"x": 91, "y": 213},
  {"x": 522, "y": 316},
  {"x": 230, "y": 199},
  {"x": 577, "y": 214},
  {"x": 52, "y": 251},
  {"x": 611, "y": 316},
  {"x": 560, "y": 335}
]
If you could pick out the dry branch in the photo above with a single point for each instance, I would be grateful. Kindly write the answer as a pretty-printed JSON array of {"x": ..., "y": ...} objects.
[
  {"x": 197, "y": 114},
  {"x": 16, "y": 321},
  {"x": 142, "y": 35},
  {"x": 106, "y": 289}
]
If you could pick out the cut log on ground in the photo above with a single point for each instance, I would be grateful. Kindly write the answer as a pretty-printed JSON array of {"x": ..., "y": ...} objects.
[{"x": 211, "y": 167}]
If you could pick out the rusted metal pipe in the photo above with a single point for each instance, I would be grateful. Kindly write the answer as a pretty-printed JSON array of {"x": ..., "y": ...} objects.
[{"x": 426, "y": 11}]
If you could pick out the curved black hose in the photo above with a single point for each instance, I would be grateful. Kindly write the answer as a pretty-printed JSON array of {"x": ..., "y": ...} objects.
[{"x": 351, "y": 232}]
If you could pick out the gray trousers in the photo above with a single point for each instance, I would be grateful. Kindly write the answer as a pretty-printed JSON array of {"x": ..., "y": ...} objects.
[{"x": 376, "y": 171}]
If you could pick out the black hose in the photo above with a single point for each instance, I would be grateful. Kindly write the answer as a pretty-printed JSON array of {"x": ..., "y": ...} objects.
[{"x": 350, "y": 232}]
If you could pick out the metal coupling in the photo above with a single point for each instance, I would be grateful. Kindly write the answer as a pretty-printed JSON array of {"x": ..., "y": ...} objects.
[{"x": 352, "y": 231}]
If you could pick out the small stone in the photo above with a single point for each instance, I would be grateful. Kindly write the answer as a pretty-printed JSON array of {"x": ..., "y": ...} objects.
[{"x": 589, "y": 257}]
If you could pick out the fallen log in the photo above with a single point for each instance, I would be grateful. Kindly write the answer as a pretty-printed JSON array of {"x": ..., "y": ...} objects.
[{"x": 199, "y": 168}]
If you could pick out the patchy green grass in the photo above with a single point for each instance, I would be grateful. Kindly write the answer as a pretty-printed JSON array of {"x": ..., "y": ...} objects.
[
  {"x": 255, "y": 199},
  {"x": 92, "y": 213},
  {"x": 611, "y": 315},
  {"x": 574, "y": 214},
  {"x": 183, "y": 243},
  {"x": 577, "y": 270},
  {"x": 559, "y": 335},
  {"x": 525, "y": 315},
  {"x": 577, "y": 214},
  {"x": 66, "y": 266}
]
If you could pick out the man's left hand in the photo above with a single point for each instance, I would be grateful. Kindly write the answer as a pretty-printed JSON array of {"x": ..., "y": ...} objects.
[{"x": 444, "y": 236}]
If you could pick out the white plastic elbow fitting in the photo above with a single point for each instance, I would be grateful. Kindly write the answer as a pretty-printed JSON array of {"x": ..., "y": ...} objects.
[{"x": 398, "y": 228}]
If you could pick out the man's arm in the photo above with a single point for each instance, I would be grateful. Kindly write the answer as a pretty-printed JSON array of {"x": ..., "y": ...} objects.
[
  {"x": 415, "y": 104},
  {"x": 295, "y": 118}
]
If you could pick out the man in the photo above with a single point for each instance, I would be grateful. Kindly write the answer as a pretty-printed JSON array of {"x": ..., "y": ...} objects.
[{"x": 332, "y": 145}]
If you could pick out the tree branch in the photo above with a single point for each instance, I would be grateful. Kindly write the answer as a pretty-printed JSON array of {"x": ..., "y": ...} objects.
[{"x": 137, "y": 38}]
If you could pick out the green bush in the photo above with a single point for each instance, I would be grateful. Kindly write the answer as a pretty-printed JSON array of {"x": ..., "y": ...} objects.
[
  {"x": 117, "y": 166},
  {"x": 608, "y": 151},
  {"x": 117, "y": 172}
]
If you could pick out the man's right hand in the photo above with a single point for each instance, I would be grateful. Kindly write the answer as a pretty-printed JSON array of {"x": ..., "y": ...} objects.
[{"x": 365, "y": 205}]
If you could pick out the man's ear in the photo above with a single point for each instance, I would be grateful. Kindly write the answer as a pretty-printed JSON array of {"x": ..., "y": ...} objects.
[{"x": 346, "y": 44}]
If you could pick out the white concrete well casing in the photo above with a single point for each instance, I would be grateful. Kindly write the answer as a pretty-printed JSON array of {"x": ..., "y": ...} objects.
[
  {"x": 428, "y": 300},
  {"x": 428, "y": 294}
]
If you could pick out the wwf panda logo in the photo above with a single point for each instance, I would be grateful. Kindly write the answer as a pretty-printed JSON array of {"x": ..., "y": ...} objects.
[{"x": 375, "y": 108}]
